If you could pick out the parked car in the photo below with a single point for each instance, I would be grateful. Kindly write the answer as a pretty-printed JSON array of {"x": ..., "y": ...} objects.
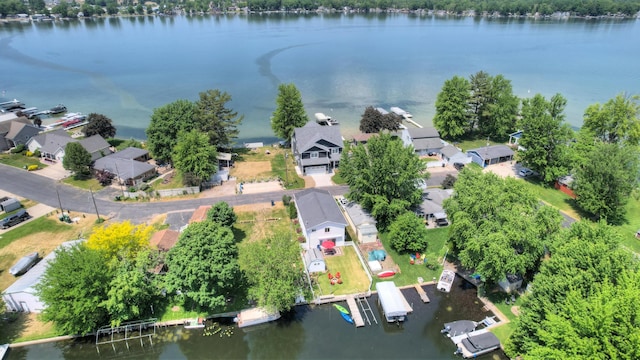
[
  {"x": 458, "y": 166},
  {"x": 442, "y": 222},
  {"x": 14, "y": 219},
  {"x": 524, "y": 172},
  {"x": 23, "y": 265}
]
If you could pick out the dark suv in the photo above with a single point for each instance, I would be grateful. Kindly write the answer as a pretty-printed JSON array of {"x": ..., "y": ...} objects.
[
  {"x": 14, "y": 219},
  {"x": 458, "y": 166}
]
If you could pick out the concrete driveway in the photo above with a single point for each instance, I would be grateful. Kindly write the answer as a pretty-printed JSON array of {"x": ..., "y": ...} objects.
[
  {"x": 322, "y": 180},
  {"x": 35, "y": 211},
  {"x": 54, "y": 171},
  {"x": 505, "y": 169}
]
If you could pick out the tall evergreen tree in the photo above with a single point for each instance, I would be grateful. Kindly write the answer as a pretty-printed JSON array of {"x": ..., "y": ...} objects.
[
  {"x": 289, "y": 113},
  {"x": 215, "y": 118}
]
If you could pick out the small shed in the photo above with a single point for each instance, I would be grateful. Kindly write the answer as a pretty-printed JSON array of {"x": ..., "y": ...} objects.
[
  {"x": 10, "y": 205},
  {"x": 394, "y": 305},
  {"x": 511, "y": 283},
  {"x": 314, "y": 261},
  {"x": 367, "y": 233}
]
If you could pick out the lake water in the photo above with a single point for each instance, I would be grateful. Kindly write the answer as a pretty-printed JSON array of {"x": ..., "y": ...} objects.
[
  {"x": 310, "y": 333},
  {"x": 126, "y": 67}
]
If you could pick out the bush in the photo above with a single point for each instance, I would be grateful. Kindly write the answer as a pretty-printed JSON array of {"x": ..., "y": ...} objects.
[
  {"x": 449, "y": 181},
  {"x": 104, "y": 177},
  {"x": 293, "y": 212},
  {"x": 132, "y": 189},
  {"x": 37, "y": 153},
  {"x": 32, "y": 167},
  {"x": 286, "y": 199},
  {"x": 144, "y": 186},
  {"x": 18, "y": 149},
  {"x": 28, "y": 153}
]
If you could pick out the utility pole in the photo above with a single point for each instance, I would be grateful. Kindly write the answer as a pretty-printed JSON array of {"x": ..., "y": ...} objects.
[
  {"x": 59, "y": 202},
  {"x": 286, "y": 172},
  {"x": 120, "y": 181},
  {"x": 94, "y": 203}
]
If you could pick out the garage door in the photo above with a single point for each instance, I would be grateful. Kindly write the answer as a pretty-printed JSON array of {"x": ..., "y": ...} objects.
[{"x": 315, "y": 170}]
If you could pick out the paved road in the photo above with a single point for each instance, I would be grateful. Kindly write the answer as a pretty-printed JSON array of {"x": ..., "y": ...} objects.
[{"x": 43, "y": 190}]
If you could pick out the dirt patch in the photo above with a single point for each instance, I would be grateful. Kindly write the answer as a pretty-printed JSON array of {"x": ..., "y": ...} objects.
[
  {"x": 257, "y": 207},
  {"x": 309, "y": 182},
  {"x": 41, "y": 242},
  {"x": 515, "y": 310},
  {"x": 250, "y": 170}
]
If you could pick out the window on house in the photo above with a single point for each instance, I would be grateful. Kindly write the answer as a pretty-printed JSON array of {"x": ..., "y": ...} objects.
[
  {"x": 335, "y": 150},
  {"x": 327, "y": 230},
  {"x": 314, "y": 154}
]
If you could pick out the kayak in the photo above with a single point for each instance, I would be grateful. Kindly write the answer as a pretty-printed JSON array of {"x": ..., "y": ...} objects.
[
  {"x": 347, "y": 318},
  {"x": 341, "y": 309},
  {"x": 386, "y": 273}
]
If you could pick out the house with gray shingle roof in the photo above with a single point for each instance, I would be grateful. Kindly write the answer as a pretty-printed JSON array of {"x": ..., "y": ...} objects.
[
  {"x": 126, "y": 167},
  {"x": 15, "y": 130},
  {"x": 320, "y": 218},
  {"x": 451, "y": 154},
  {"x": 53, "y": 143},
  {"x": 316, "y": 148},
  {"x": 490, "y": 155},
  {"x": 425, "y": 140}
]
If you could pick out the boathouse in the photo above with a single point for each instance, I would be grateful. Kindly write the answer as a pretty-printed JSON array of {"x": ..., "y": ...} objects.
[{"x": 394, "y": 305}]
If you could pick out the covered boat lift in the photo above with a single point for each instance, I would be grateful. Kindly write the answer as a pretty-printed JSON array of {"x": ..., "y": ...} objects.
[{"x": 394, "y": 305}]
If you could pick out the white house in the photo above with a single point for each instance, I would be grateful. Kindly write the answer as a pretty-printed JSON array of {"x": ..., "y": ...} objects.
[
  {"x": 451, "y": 154},
  {"x": 320, "y": 218}
]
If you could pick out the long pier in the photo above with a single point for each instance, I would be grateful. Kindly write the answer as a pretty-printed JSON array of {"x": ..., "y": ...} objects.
[{"x": 355, "y": 312}]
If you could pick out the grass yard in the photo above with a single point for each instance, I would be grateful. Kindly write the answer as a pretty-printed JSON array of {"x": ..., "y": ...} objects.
[
  {"x": 632, "y": 225},
  {"x": 266, "y": 163},
  {"x": 170, "y": 181},
  {"x": 354, "y": 277},
  {"x": 554, "y": 197},
  {"x": 256, "y": 222},
  {"x": 466, "y": 145},
  {"x": 20, "y": 161},
  {"x": 87, "y": 184},
  {"x": 409, "y": 273},
  {"x": 25, "y": 327}
]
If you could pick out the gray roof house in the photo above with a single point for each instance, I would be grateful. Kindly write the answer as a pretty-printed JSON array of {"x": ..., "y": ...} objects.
[
  {"x": 21, "y": 295},
  {"x": 425, "y": 140},
  {"x": 490, "y": 155},
  {"x": 431, "y": 206},
  {"x": 124, "y": 166},
  {"x": 316, "y": 148},
  {"x": 15, "y": 132},
  {"x": 320, "y": 218},
  {"x": 52, "y": 144},
  {"x": 451, "y": 154}
]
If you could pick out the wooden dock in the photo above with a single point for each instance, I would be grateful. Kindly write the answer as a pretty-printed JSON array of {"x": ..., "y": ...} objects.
[
  {"x": 422, "y": 293},
  {"x": 355, "y": 312}
]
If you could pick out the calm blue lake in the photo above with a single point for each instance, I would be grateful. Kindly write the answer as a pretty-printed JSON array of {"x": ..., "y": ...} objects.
[{"x": 126, "y": 67}]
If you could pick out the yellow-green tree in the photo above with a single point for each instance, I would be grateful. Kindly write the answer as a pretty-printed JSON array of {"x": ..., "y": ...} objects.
[{"x": 122, "y": 240}]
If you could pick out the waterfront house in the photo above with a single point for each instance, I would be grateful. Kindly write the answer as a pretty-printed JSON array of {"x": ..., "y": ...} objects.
[
  {"x": 431, "y": 206},
  {"x": 320, "y": 218},
  {"x": 15, "y": 132},
  {"x": 490, "y": 155},
  {"x": 317, "y": 149},
  {"x": 52, "y": 145},
  {"x": 127, "y": 166},
  {"x": 451, "y": 154},
  {"x": 425, "y": 140}
]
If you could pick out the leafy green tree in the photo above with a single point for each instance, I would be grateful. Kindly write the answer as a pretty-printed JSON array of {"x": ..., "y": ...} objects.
[
  {"x": 582, "y": 259},
  {"x": 203, "y": 265},
  {"x": 452, "y": 109},
  {"x": 76, "y": 159},
  {"x": 112, "y": 8},
  {"x": 545, "y": 136},
  {"x": 195, "y": 157},
  {"x": 498, "y": 226},
  {"x": 274, "y": 271},
  {"x": 215, "y": 118},
  {"x": 139, "y": 9},
  {"x": 132, "y": 290},
  {"x": 480, "y": 83},
  {"x": 120, "y": 240},
  {"x": 408, "y": 233},
  {"x": 501, "y": 110},
  {"x": 382, "y": 176},
  {"x": 73, "y": 289},
  {"x": 617, "y": 121},
  {"x": 603, "y": 191},
  {"x": 99, "y": 124},
  {"x": 222, "y": 213},
  {"x": 289, "y": 113},
  {"x": 62, "y": 8},
  {"x": 373, "y": 121},
  {"x": 166, "y": 122}
]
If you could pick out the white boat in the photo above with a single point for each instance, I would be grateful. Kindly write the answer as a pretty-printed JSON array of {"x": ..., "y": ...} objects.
[
  {"x": 400, "y": 112},
  {"x": 196, "y": 323},
  {"x": 446, "y": 280},
  {"x": 476, "y": 343},
  {"x": 325, "y": 119},
  {"x": 255, "y": 316}
]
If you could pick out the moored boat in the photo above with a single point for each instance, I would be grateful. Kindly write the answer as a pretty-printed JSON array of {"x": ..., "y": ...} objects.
[
  {"x": 346, "y": 318},
  {"x": 197, "y": 323},
  {"x": 446, "y": 280},
  {"x": 58, "y": 109},
  {"x": 341, "y": 309},
  {"x": 386, "y": 273}
]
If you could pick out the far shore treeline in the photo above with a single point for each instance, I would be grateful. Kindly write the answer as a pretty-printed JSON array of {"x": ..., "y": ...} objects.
[{"x": 626, "y": 8}]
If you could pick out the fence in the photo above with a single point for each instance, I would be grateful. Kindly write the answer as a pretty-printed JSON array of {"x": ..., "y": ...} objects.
[{"x": 179, "y": 191}]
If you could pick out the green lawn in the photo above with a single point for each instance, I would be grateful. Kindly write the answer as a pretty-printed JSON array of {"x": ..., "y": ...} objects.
[
  {"x": 628, "y": 230},
  {"x": 337, "y": 179},
  {"x": 87, "y": 184},
  {"x": 354, "y": 278},
  {"x": 435, "y": 252},
  {"x": 474, "y": 144},
  {"x": 20, "y": 161},
  {"x": 39, "y": 225},
  {"x": 554, "y": 197},
  {"x": 286, "y": 173},
  {"x": 174, "y": 183}
]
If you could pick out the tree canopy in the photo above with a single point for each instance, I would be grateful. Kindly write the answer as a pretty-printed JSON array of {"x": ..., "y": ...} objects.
[
  {"x": 121, "y": 240},
  {"x": 289, "y": 113},
  {"x": 408, "y": 233},
  {"x": 545, "y": 136},
  {"x": 195, "y": 157},
  {"x": 76, "y": 159},
  {"x": 98, "y": 124},
  {"x": 222, "y": 213},
  {"x": 216, "y": 119},
  {"x": 617, "y": 121},
  {"x": 452, "y": 109},
  {"x": 274, "y": 271},
  {"x": 203, "y": 265},
  {"x": 166, "y": 122},
  {"x": 603, "y": 191},
  {"x": 498, "y": 227},
  {"x": 382, "y": 176},
  {"x": 374, "y": 121},
  {"x": 73, "y": 288},
  {"x": 585, "y": 261}
]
